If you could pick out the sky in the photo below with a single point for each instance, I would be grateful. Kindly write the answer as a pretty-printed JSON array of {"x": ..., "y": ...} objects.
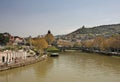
[{"x": 35, "y": 17}]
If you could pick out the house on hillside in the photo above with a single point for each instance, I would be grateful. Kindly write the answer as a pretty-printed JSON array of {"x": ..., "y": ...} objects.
[
  {"x": 11, "y": 39},
  {"x": 19, "y": 41},
  {"x": 6, "y": 34}
]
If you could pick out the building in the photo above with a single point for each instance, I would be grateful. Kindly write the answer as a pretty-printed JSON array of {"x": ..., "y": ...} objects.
[
  {"x": 8, "y": 56},
  {"x": 18, "y": 40}
]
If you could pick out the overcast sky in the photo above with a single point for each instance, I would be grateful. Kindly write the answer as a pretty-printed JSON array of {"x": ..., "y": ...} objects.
[{"x": 36, "y": 17}]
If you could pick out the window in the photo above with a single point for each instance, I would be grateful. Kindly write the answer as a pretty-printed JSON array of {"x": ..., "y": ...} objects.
[{"x": 3, "y": 58}]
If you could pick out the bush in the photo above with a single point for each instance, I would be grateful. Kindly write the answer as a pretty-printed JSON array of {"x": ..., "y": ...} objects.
[{"x": 52, "y": 49}]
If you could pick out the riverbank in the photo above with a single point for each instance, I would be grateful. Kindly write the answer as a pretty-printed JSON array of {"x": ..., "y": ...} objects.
[
  {"x": 102, "y": 52},
  {"x": 21, "y": 63}
]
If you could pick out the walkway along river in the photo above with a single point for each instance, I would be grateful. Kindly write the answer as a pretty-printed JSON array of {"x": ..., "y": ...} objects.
[{"x": 74, "y": 66}]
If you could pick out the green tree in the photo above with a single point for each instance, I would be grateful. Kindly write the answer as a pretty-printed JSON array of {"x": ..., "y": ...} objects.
[{"x": 4, "y": 39}]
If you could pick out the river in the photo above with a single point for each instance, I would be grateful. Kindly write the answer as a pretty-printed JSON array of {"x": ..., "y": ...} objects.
[{"x": 73, "y": 66}]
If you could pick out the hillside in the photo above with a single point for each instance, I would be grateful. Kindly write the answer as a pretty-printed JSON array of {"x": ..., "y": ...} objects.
[{"x": 87, "y": 33}]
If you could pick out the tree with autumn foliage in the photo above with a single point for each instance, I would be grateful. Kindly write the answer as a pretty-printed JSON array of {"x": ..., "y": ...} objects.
[
  {"x": 39, "y": 43},
  {"x": 114, "y": 43},
  {"x": 49, "y": 38},
  {"x": 88, "y": 43},
  {"x": 98, "y": 41}
]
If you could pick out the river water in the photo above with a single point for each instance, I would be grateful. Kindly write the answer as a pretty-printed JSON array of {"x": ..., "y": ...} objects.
[{"x": 73, "y": 66}]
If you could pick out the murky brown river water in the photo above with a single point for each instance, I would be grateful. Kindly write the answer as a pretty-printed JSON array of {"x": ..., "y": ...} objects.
[{"x": 68, "y": 67}]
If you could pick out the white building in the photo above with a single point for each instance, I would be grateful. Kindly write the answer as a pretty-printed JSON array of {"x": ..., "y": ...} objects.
[{"x": 11, "y": 56}]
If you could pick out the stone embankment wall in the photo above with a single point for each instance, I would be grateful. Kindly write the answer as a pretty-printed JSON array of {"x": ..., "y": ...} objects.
[{"x": 28, "y": 61}]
